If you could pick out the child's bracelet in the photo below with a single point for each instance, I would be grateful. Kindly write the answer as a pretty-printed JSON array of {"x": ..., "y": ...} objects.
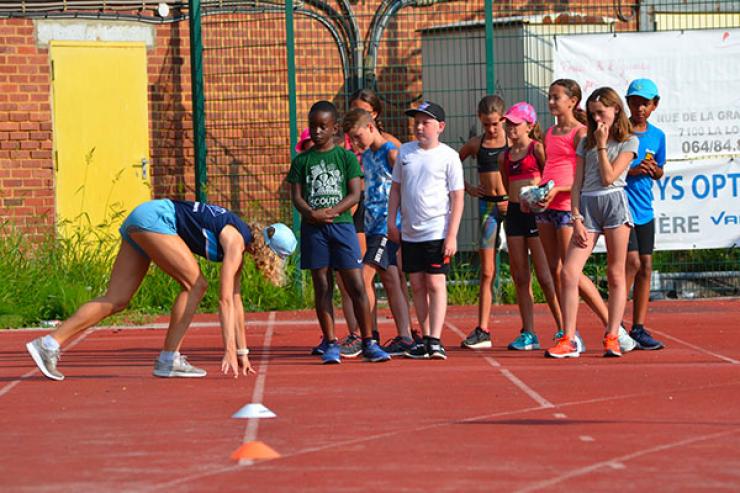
[{"x": 242, "y": 352}]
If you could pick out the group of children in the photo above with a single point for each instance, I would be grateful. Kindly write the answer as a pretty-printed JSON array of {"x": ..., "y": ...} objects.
[{"x": 595, "y": 169}]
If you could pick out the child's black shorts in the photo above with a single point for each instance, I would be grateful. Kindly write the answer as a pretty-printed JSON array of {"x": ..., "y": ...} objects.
[
  {"x": 425, "y": 256},
  {"x": 642, "y": 238}
]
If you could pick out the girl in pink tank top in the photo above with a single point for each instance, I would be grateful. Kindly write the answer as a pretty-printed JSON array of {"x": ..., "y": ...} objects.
[{"x": 554, "y": 224}]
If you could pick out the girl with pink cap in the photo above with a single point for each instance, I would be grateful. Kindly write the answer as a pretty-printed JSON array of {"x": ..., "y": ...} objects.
[{"x": 521, "y": 166}]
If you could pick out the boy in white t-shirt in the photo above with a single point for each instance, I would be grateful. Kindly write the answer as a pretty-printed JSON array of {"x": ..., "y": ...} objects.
[{"x": 428, "y": 185}]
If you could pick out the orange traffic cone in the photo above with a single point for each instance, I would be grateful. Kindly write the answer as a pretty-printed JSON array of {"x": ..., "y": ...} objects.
[{"x": 254, "y": 451}]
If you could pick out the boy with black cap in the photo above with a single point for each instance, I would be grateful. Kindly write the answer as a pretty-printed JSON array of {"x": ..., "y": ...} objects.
[
  {"x": 429, "y": 188},
  {"x": 642, "y": 99}
]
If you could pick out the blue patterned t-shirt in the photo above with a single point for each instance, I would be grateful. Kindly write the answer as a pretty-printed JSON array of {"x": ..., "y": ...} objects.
[{"x": 378, "y": 181}]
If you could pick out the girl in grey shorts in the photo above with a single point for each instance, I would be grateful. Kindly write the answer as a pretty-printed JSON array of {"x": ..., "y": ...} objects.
[{"x": 599, "y": 206}]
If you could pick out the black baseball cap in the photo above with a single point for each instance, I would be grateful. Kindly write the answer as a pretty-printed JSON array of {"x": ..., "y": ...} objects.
[{"x": 430, "y": 109}]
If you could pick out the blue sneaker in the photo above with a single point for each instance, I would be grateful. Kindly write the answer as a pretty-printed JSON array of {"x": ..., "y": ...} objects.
[
  {"x": 644, "y": 340},
  {"x": 527, "y": 341},
  {"x": 579, "y": 342},
  {"x": 374, "y": 353},
  {"x": 332, "y": 354},
  {"x": 319, "y": 350}
]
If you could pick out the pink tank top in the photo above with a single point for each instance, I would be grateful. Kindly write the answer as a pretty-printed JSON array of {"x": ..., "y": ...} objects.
[
  {"x": 560, "y": 165},
  {"x": 524, "y": 169}
]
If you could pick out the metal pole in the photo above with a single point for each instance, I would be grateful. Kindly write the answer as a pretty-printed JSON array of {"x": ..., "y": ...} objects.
[
  {"x": 490, "y": 73},
  {"x": 198, "y": 100},
  {"x": 292, "y": 111}
]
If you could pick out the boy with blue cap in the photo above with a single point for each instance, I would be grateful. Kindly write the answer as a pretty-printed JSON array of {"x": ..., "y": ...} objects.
[{"x": 642, "y": 100}]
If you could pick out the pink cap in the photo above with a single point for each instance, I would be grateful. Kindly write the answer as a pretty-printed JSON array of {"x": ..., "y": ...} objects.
[
  {"x": 521, "y": 112},
  {"x": 305, "y": 135}
]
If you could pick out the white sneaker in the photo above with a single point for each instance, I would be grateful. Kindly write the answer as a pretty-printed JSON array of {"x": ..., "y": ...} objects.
[
  {"x": 45, "y": 359},
  {"x": 179, "y": 367},
  {"x": 626, "y": 343},
  {"x": 579, "y": 343}
]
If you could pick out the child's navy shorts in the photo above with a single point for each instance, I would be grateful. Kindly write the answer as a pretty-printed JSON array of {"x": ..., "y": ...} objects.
[{"x": 330, "y": 245}]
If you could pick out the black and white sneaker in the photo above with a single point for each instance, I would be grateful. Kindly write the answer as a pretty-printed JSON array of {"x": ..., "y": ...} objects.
[
  {"x": 436, "y": 350},
  {"x": 418, "y": 351},
  {"x": 477, "y": 339}
]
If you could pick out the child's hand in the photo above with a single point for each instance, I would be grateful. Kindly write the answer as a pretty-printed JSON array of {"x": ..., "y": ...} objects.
[
  {"x": 472, "y": 190},
  {"x": 503, "y": 207},
  {"x": 545, "y": 203},
  {"x": 524, "y": 206},
  {"x": 245, "y": 365},
  {"x": 601, "y": 134},
  {"x": 580, "y": 235},
  {"x": 393, "y": 234},
  {"x": 322, "y": 216},
  {"x": 229, "y": 363},
  {"x": 449, "y": 248}
]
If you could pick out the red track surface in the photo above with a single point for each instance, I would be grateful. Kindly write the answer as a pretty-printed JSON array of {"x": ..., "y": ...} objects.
[{"x": 481, "y": 421}]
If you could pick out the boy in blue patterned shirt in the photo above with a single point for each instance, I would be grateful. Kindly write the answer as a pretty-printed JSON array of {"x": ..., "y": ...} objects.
[{"x": 378, "y": 158}]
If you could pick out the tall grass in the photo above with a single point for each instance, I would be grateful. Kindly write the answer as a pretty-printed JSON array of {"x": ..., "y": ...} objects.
[{"x": 50, "y": 280}]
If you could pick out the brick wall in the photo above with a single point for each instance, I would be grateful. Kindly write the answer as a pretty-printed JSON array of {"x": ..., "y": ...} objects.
[{"x": 26, "y": 174}]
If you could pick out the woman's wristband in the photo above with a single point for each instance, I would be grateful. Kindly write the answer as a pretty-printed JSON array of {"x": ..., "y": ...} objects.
[
  {"x": 601, "y": 148},
  {"x": 242, "y": 352},
  {"x": 576, "y": 217}
]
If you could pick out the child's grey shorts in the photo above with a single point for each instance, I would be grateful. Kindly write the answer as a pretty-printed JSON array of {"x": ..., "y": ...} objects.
[{"x": 605, "y": 209}]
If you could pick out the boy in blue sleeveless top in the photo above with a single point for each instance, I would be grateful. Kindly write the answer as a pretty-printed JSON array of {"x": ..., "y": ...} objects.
[
  {"x": 168, "y": 233},
  {"x": 378, "y": 159},
  {"x": 325, "y": 184},
  {"x": 642, "y": 99}
]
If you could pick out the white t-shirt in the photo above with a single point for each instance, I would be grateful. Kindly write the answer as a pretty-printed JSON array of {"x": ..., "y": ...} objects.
[{"x": 426, "y": 178}]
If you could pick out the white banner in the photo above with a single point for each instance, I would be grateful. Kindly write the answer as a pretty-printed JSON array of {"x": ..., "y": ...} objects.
[
  {"x": 697, "y": 73},
  {"x": 696, "y": 205}
]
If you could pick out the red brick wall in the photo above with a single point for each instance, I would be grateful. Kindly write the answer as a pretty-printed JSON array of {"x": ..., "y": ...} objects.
[{"x": 26, "y": 174}]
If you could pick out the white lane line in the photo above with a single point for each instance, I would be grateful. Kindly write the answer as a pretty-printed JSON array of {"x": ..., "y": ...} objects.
[
  {"x": 544, "y": 403},
  {"x": 696, "y": 348},
  {"x": 215, "y": 323},
  {"x": 250, "y": 431},
  {"x": 586, "y": 438},
  {"x": 559, "y": 416},
  {"x": 618, "y": 462},
  {"x": 8, "y": 387}
]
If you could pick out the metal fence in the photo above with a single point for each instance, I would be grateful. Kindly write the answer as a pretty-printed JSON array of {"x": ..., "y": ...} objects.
[{"x": 406, "y": 51}]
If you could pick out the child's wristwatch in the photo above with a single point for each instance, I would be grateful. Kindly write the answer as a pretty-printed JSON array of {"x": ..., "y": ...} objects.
[{"x": 576, "y": 217}]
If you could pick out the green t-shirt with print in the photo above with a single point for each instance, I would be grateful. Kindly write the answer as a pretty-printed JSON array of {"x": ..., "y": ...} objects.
[{"x": 324, "y": 176}]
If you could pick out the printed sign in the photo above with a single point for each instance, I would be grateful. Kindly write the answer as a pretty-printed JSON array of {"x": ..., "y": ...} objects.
[{"x": 697, "y": 73}]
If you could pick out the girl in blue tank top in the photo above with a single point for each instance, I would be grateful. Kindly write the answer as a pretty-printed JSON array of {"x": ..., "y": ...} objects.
[{"x": 168, "y": 233}]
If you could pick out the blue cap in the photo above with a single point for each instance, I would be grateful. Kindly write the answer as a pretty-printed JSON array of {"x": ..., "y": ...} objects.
[
  {"x": 645, "y": 88},
  {"x": 280, "y": 239}
]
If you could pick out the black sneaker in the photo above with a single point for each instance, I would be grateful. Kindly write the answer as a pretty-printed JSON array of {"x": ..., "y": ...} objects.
[
  {"x": 644, "y": 340},
  {"x": 351, "y": 346},
  {"x": 398, "y": 346},
  {"x": 416, "y": 336},
  {"x": 417, "y": 351},
  {"x": 477, "y": 339},
  {"x": 376, "y": 335},
  {"x": 436, "y": 350}
]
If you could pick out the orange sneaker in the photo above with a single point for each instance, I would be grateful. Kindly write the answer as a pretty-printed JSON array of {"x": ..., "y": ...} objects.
[
  {"x": 565, "y": 348},
  {"x": 611, "y": 347}
]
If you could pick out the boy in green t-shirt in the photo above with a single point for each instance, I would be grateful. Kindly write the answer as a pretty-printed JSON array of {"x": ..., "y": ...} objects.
[{"x": 325, "y": 184}]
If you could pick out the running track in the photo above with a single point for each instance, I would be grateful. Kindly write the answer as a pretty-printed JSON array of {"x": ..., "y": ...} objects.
[{"x": 491, "y": 420}]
